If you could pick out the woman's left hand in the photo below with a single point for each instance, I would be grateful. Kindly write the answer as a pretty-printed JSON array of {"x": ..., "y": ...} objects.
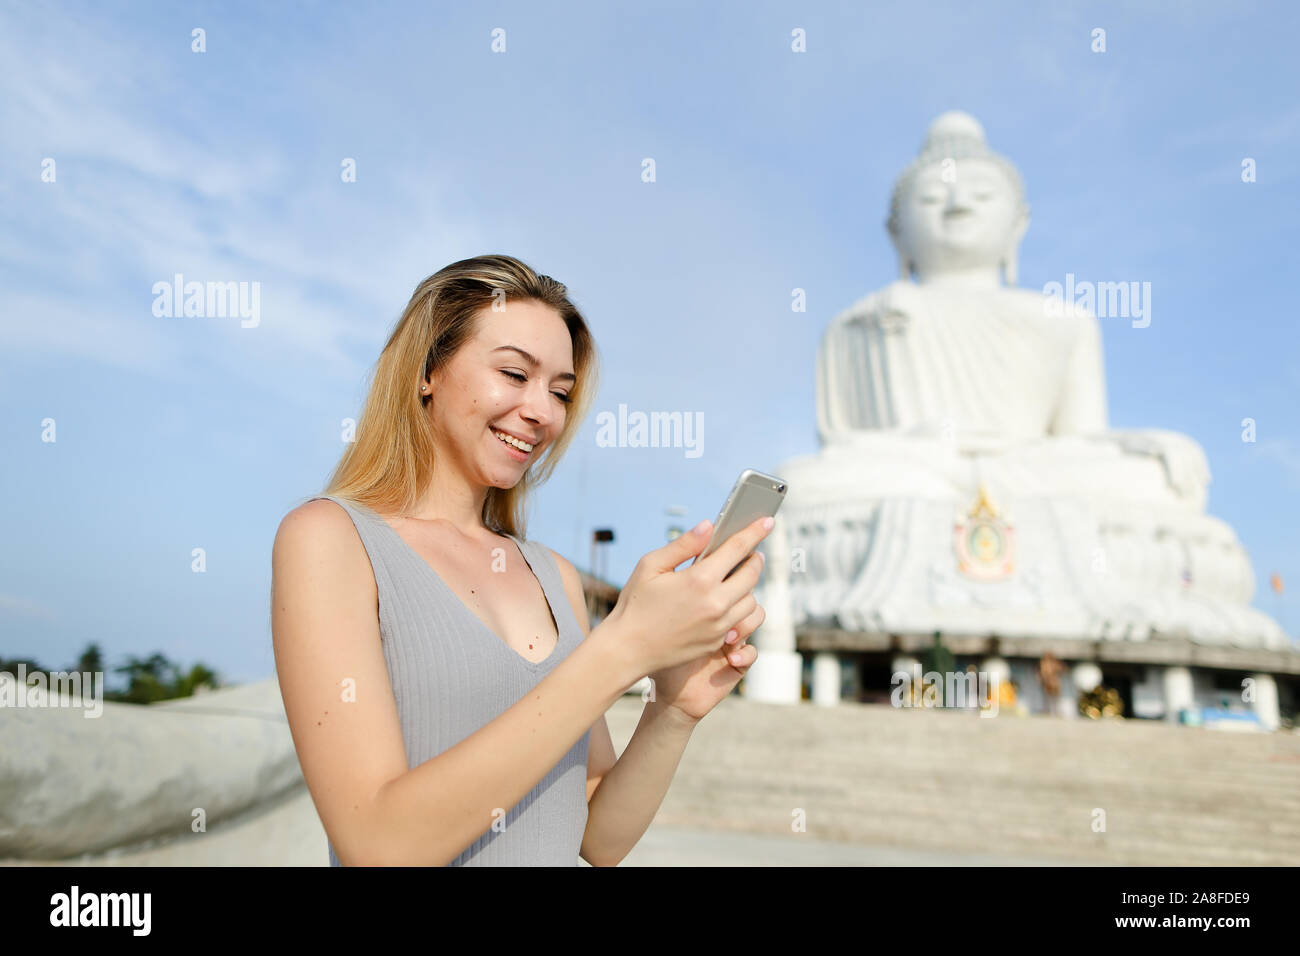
[{"x": 696, "y": 687}]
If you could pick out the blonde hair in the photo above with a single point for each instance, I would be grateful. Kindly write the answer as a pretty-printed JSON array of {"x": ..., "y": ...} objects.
[{"x": 391, "y": 463}]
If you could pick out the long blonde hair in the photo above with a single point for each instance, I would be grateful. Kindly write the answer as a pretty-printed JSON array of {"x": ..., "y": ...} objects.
[{"x": 390, "y": 464}]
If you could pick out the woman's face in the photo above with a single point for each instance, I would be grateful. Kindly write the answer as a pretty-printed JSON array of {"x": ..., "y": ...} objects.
[{"x": 479, "y": 393}]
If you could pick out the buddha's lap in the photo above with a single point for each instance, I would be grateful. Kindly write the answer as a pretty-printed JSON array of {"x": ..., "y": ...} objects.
[{"x": 1132, "y": 480}]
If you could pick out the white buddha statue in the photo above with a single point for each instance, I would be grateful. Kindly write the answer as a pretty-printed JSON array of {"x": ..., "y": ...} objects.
[{"x": 967, "y": 480}]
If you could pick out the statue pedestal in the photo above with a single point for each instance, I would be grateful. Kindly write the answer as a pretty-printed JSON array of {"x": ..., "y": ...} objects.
[
  {"x": 776, "y": 676},
  {"x": 827, "y": 679}
]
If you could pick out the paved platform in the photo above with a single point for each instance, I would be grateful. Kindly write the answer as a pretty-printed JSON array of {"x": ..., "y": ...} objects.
[
  {"x": 879, "y": 787},
  {"x": 684, "y": 846},
  {"x": 289, "y": 834}
]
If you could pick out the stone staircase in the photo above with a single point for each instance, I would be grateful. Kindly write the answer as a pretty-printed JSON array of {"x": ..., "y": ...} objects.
[
  {"x": 1013, "y": 786},
  {"x": 909, "y": 787}
]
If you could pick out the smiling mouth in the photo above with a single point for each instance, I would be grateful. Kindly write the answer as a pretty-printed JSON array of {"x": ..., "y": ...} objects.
[{"x": 520, "y": 446}]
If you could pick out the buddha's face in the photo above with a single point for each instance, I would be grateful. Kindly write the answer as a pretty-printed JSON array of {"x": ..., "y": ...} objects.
[{"x": 969, "y": 218}]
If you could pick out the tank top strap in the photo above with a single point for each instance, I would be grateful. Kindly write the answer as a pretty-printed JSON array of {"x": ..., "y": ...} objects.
[
  {"x": 377, "y": 537},
  {"x": 539, "y": 558},
  {"x": 361, "y": 516}
]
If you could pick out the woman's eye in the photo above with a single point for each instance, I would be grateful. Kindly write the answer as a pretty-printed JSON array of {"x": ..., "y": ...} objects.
[{"x": 523, "y": 378}]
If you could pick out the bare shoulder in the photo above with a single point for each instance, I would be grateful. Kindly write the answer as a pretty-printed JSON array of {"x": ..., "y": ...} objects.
[
  {"x": 316, "y": 519},
  {"x": 319, "y": 560},
  {"x": 315, "y": 533}
]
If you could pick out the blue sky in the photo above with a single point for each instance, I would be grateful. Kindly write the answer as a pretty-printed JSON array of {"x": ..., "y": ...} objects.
[{"x": 773, "y": 172}]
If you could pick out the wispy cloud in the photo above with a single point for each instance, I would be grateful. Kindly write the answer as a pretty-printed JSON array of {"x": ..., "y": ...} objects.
[
  {"x": 9, "y": 604},
  {"x": 140, "y": 196},
  {"x": 1286, "y": 453}
]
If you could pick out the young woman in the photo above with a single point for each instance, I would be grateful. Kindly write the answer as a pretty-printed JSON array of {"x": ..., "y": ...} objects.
[{"x": 445, "y": 693}]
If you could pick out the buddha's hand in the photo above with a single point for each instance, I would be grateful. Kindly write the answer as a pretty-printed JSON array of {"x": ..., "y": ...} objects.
[
  {"x": 888, "y": 310},
  {"x": 1186, "y": 467}
]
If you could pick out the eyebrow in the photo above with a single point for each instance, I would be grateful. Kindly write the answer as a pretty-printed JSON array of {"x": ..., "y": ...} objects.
[{"x": 532, "y": 360}]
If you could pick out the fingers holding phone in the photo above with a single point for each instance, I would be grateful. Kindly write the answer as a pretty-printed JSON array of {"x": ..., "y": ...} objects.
[
  {"x": 736, "y": 558},
  {"x": 670, "y": 617}
]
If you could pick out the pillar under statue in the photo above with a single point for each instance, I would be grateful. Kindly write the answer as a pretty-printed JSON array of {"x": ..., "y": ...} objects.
[{"x": 967, "y": 480}]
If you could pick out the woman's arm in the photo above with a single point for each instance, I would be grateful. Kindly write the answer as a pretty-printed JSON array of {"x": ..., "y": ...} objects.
[
  {"x": 344, "y": 721},
  {"x": 631, "y": 790},
  {"x": 629, "y": 796}
]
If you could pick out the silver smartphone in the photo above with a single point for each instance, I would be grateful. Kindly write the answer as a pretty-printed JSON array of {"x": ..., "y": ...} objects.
[{"x": 754, "y": 495}]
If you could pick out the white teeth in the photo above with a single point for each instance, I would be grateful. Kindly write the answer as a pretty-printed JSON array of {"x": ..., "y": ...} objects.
[{"x": 509, "y": 439}]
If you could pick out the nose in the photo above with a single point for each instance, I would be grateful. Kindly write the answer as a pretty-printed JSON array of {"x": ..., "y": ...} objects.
[
  {"x": 958, "y": 199},
  {"x": 537, "y": 405}
]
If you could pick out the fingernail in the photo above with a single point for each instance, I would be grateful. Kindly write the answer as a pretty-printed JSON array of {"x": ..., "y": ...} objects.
[
  {"x": 768, "y": 522},
  {"x": 702, "y": 528},
  {"x": 735, "y": 658},
  {"x": 732, "y": 635}
]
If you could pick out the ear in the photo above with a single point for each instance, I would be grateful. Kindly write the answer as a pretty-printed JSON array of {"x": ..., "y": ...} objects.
[
  {"x": 904, "y": 262},
  {"x": 1011, "y": 258},
  {"x": 1022, "y": 225}
]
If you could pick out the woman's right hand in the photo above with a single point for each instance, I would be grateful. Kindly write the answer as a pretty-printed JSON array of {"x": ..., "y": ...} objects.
[{"x": 666, "y": 617}]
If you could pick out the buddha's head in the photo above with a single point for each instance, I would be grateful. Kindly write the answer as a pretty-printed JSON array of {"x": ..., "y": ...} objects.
[{"x": 957, "y": 207}]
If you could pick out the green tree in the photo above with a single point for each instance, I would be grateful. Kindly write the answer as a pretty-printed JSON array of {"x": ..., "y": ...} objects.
[
  {"x": 10, "y": 665},
  {"x": 148, "y": 680},
  {"x": 91, "y": 660},
  {"x": 197, "y": 676}
]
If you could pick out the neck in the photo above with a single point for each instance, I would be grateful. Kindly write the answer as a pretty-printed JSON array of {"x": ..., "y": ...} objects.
[
  {"x": 454, "y": 500},
  {"x": 979, "y": 277}
]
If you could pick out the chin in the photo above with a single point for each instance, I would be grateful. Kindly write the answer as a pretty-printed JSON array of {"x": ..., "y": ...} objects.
[{"x": 506, "y": 482}]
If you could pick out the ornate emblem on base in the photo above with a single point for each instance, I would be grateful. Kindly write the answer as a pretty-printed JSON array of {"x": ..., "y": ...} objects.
[{"x": 984, "y": 541}]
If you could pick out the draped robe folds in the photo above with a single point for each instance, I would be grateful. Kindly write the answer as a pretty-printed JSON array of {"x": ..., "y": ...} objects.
[
  {"x": 1002, "y": 370},
  {"x": 965, "y": 362}
]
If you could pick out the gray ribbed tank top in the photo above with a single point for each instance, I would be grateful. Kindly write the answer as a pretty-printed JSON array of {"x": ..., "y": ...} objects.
[{"x": 452, "y": 675}]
